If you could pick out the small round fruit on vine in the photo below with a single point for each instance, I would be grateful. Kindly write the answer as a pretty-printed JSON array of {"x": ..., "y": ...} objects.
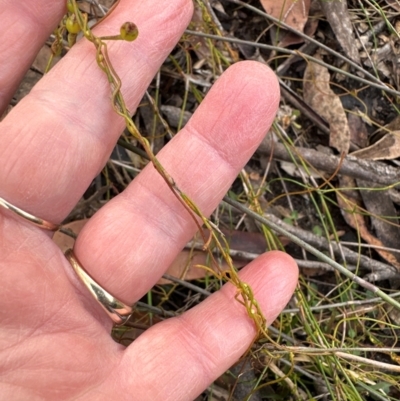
[
  {"x": 129, "y": 31},
  {"x": 72, "y": 25}
]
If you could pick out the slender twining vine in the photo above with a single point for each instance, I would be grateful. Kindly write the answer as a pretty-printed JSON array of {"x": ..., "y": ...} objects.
[{"x": 75, "y": 22}]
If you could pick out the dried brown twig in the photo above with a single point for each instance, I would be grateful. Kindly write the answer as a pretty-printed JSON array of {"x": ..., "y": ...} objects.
[{"x": 372, "y": 171}]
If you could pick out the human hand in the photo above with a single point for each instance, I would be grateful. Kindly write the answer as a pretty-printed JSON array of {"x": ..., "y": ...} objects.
[{"x": 54, "y": 338}]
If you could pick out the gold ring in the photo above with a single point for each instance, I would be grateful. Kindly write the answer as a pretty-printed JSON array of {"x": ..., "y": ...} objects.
[
  {"x": 117, "y": 310},
  {"x": 38, "y": 222}
]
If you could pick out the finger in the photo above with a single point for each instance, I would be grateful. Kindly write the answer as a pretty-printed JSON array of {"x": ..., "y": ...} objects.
[
  {"x": 59, "y": 137},
  {"x": 25, "y": 26},
  {"x": 182, "y": 356},
  {"x": 131, "y": 241}
]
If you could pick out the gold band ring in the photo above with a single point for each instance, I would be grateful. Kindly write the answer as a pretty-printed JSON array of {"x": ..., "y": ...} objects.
[
  {"x": 29, "y": 217},
  {"x": 117, "y": 310}
]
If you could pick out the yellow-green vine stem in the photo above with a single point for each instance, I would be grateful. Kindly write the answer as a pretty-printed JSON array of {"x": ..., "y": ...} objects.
[{"x": 129, "y": 32}]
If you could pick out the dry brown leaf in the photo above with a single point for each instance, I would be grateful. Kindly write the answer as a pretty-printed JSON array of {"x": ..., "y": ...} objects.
[
  {"x": 353, "y": 215},
  {"x": 337, "y": 14},
  {"x": 321, "y": 98},
  {"x": 292, "y": 12},
  {"x": 387, "y": 148}
]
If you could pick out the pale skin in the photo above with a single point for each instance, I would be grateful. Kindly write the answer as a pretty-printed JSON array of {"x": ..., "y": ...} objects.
[{"x": 54, "y": 338}]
